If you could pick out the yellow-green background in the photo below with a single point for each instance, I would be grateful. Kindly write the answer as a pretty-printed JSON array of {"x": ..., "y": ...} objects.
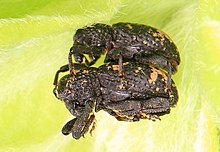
[{"x": 35, "y": 37}]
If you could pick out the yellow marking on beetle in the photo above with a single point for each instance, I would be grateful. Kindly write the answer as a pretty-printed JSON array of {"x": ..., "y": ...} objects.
[
  {"x": 149, "y": 116},
  {"x": 171, "y": 96},
  {"x": 143, "y": 115},
  {"x": 145, "y": 42},
  {"x": 109, "y": 67},
  {"x": 76, "y": 71},
  {"x": 150, "y": 81},
  {"x": 159, "y": 72},
  {"x": 157, "y": 89},
  {"x": 134, "y": 37},
  {"x": 129, "y": 26},
  {"x": 84, "y": 81},
  {"x": 125, "y": 63},
  {"x": 163, "y": 34},
  {"x": 136, "y": 71},
  {"x": 139, "y": 68},
  {"x": 69, "y": 92},
  {"x": 173, "y": 85},
  {"x": 115, "y": 67},
  {"x": 158, "y": 40},
  {"x": 155, "y": 34},
  {"x": 85, "y": 72},
  {"x": 165, "y": 90},
  {"x": 122, "y": 117},
  {"x": 160, "y": 37},
  {"x": 153, "y": 76},
  {"x": 120, "y": 87},
  {"x": 149, "y": 31}
]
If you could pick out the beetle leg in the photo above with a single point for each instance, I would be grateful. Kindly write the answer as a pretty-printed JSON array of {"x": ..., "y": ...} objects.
[
  {"x": 93, "y": 121},
  {"x": 120, "y": 65},
  {"x": 118, "y": 116},
  {"x": 169, "y": 77},
  {"x": 63, "y": 68},
  {"x": 71, "y": 68},
  {"x": 152, "y": 117},
  {"x": 74, "y": 51},
  {"x": 113, "y": 55}
]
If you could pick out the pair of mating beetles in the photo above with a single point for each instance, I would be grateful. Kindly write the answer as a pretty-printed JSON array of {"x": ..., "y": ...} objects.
[{"x": 133, "y": 83}]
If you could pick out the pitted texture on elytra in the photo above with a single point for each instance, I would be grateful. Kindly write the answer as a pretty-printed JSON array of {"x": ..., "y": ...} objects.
[
  {"x": 141, "y": 43},
  {"x": 140, "y": 94}
]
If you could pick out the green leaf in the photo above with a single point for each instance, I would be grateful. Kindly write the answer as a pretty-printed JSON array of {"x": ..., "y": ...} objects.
[{"x": 35, "y": 37}]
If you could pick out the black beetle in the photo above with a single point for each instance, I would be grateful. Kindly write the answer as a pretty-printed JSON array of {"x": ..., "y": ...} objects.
[
  {"x": 141, "y": 93},
  {"x": 125, "y": 42}
]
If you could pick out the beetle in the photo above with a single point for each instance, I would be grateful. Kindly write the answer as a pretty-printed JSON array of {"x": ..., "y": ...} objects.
[
  {"x": 141, "y": 93},
  {"x": 124, "y": 42}
]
